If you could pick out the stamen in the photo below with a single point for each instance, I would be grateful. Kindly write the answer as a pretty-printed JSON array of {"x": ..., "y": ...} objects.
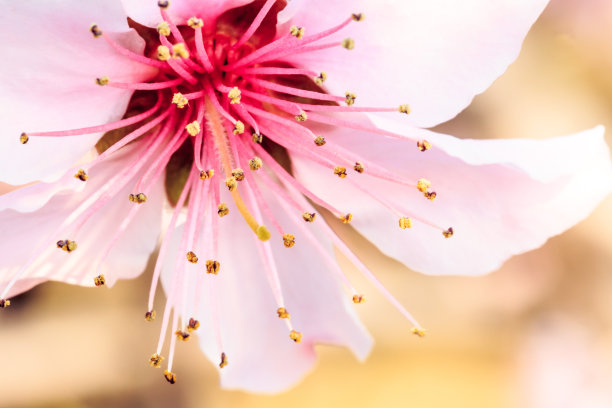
[
  {"x": 257, "y": 138},
  {"x": 163, "y": 28},
  {"x": 423, "y": 185},
  {"x": 309, "y": 217},
  {"x": 282, "y": 313},
  {"x": 193, "y": 324},
  {"x": 346, "y": 218},
  {"x": 179, "y": 50},
  {"x": 222, "y": 210},
  {"x": 170, "y": 377},
  {"x": 234, "y": 95},
  {"x": 207, "y": 174},
  {"x": 95, "y": 30},
  {"x": 348, "y": 43},
  {"x": 358, "y": 167},
  {"x": 238, "y": 128},
  {"x": 295, "y": 336},
  {"x": 67, "y": 245},
  {"x": 319, "y": 141},
  {"x": 417, "y": 331},
  {"x": 155, "y": 360},
  {"x": 319, "y": 79},
  {"x": 102, "y": 81},
  {"x": 212, "y": 267},
  {"x": 297, "y": 32},
  {"x": 195, "y": 22},
  {"x": 405, "y": 223},
  {"x": 180, "y": 100},
  {"x": 340, "y": 171},
  {"x": 24, "y": 138},
  {"x": 81, "y": 175},
  {"x": 146, "y": 86},
  {"x": 150, "y": 315},
  {"x": 163, "y": 53},
  {"x": 423, "y": 145},
  {"x": 238, "y": 174},
  {"x": 359, "y": 299},
  {"x": 404, "y": 109},
  {"x": 350, "y": 98},
  {"x": 192, "y": 257},
  {"x": 163, "y": 4},
  {"x": 181, "y": 335},
  {"x": 289, "y": 240},
  {"x": 357, "y": 16},
  {"x": 231, "y": 183},
  {"x": 448, "y": 232},
  {"x": 223, "y": 362},
  {"x": 193, "y": 128},
  {"x": 100, "y": 280},
  {"x": 4, "y": 303}
]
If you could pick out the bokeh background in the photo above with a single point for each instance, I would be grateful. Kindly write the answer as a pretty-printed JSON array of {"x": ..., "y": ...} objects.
[{"x": 535, "y": 334}]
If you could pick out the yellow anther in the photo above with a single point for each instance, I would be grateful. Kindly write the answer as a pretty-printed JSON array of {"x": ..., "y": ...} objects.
[
  {"x": 170, "y": 377},
  {"x": 95, "y": 30},
  {"x": 179, "y": 50},
  {"x": 163, "y": 4},
  {"x": 340, "y": 171},
  {"x": 358, "y": 167},
  {"x": 309, "y": 217},
  {"x": 67, "y": 245},
  {"x": 150, "y": 315},
  {"x": 102, "y": 81},
  {"x": 295, "y": 336},
  {"x": 348, "y": 43},
  {"x": 193, "y": 128},
  {"x": 319, "y": 140},
  {"x": 350, "y": 98},
  {"x": 423, "y": 145},
  {"x": 193, "y": 324},
  {"x": 430, "y": 195},
  {"x": 81, "y": 175},
  {"x": 448, "y": 232},
  {"x": 319, "y": 79},
  {"x": 212, "y": 267},
  {"x": 24, "y": 138},
  {"x": 358, "y": 16},
  {"x": 234, "y": 95},
  {"x": 238, "y": 128},
  {"x": 138, "y": 198},
  {"x": 231, "y": 183},
  {"x": 404, "y": 109},
  {"x": 100, "y": 280},
  {"x": 359, "y": 299},
  {"x": 257, "y": 138},
  {"x": 207, "y": 174},
  {"x": 289, "y": 240},
  {"x": 181, "y": 335},
  {"x": 297, "y": 32},
  {"x": 192, "y": 257},
  {"x": 222, "y": 210},
  {"x": 418, "y": 331},
  {"x": 180, "y": 100},
  {"x": 262, "y": 233},
  {"x": 283, "y": 313},
  {"x": 163, "y": 53},
  {"x": 346, "y": 218},
  {"x": 255, "y": 163},
  {"x": 423, "y": 185},
  {"x": 223, "y": 362},
  {"x": 301, "y": 117},
  {"x": 195, "y": 22},
  {"x": 4, "y": 303},
  {"x": 238, "y": 174},
  {"x": 155, "y": 360},
  {"x": 405, "y": 222},
  {"x": 163, "y": 28}
]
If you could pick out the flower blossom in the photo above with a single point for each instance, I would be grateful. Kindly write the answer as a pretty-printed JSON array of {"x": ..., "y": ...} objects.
[{"x": 221, "y": 131}]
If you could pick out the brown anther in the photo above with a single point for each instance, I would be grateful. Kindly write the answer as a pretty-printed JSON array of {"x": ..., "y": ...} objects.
[
  {"x": 163, "y": 53},
  {"x": 193, "y": 128},
  {"x": 404, "y": 109},
  {"x": 283, "y": 313},
  {"x": 234, "y": 95},
  {"x": 423, "y": 145},
  {"x": 358, "y": 167},
  {"x": 423, "y": 185},
  {"x": 319, "y": 79},
  {"x": 163, "y": 4},
  {"x": 222, "y": 210},
  {"x": 448, "y": 232},
  {"x": 195, "y": 22},
  {"x": 95, "y": 30},
  {"x": 193, "y": 324},
  {"x": 348, "y": 43},
  {"x": 192, "y": 257},
  {"x": 255, "y": 163},
  {"x": 405, "y": 222},
  {"x": 212, "y": 267},
  {"x": 138, "y": 198},
  {"x": 180, "y": 100},
  {"x": 289, "y": 240},
  {"x": 223, "y": 362},
  {"x": 179, "y": 50},
  {"x": 357, "y": 16},
  {"x": 309, "y": 217},
  {"x": 340, "y": 171},
  {"x": 302, "y": 117},
  {"x": 257, "y": 138},
  {"x": 430, "y": 195},
  {"x": 67, "y": 245},
  {"x": 295, "y": 336},
  {"x": 155, "y": 360},
  {"x": 350, "y": 98},
  {"x": 100, "y": 280},
  {"x": 181, "y": 335},
  {"x": 170, "y": 377},
  {"x": 418, "y": 331},
  {"x": 81, "y": 175},
  {"x": 102, "y": 81},
  {"x": 346, "y": 218},
  {"x": 163, "y": 28},
  {"x": 238, "y": 128},
  {"x": 319, "y": 140},
  {"x": 297, "y": 32},
  {"x": 238, "y": 174},
  {"x": 150, "y": 316},
  {"x": 24, "y": 138},
  {"x": 359, "y": 299},
  {"x": 4, "y": 303},
  {"x": 231, "y": 183},
  {"x": 207, "y": 174}
]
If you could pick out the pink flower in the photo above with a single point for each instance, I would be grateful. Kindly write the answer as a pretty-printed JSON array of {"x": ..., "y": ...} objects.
[{"x": 208, "y": 93}]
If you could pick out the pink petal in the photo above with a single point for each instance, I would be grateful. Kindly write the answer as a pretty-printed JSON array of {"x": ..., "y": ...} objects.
[
  {"x": 49, "y": 81},
  {"x": 262, "y": 357},
  {"x": 27, "y": 227},
  {"x": 433, "y": 55},
  {"x": 502, "y": 197}
]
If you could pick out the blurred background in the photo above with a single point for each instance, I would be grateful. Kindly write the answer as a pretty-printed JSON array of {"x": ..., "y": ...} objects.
[{"x": 535, "y": 334}]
